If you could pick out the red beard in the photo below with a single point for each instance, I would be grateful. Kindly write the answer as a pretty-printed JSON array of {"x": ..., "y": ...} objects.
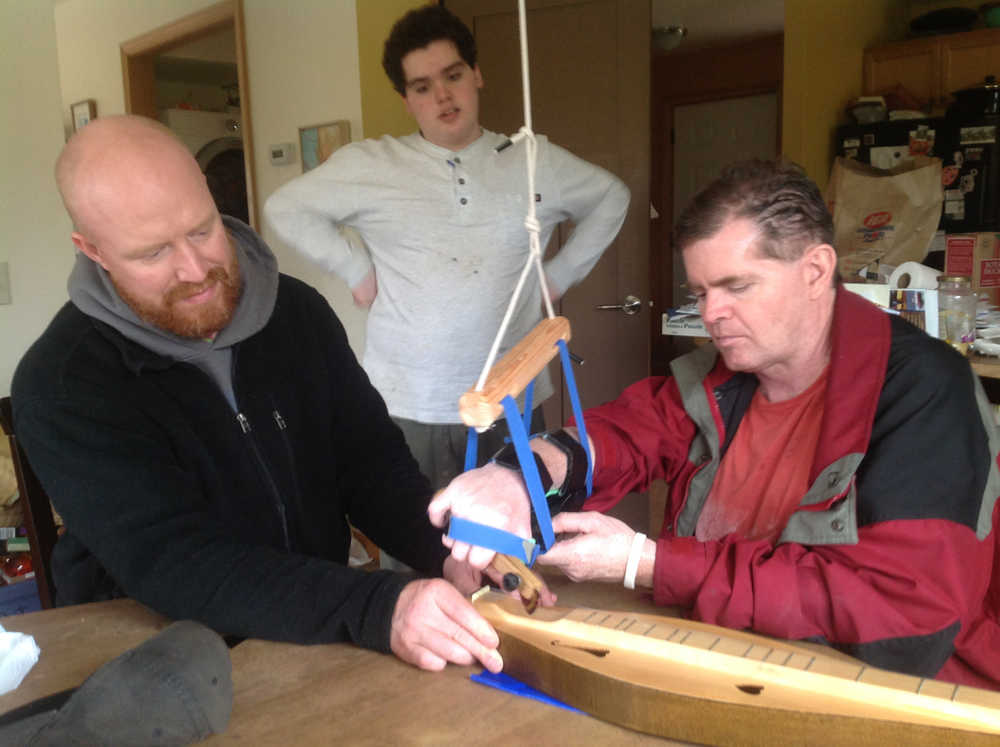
[{"x": 196, "y": 323}]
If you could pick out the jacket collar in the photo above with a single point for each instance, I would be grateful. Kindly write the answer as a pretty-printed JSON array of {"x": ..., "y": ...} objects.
[{"x": 859, "y": 353}]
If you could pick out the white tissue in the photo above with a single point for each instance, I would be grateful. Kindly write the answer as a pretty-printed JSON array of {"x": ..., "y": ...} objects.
[
  {"x": 18, "y": 654},
  {"x": 914, "y": 275}
]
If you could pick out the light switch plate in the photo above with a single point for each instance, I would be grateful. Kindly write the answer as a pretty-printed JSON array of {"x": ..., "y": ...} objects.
[
  {"x": 4, "y": 284},
  {"x": 282, "y": 153}
]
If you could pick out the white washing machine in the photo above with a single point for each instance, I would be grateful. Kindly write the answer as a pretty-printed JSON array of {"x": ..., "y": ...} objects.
[
  {"x": 215, "y": 140},
  {"x": 198, "y": 129}
]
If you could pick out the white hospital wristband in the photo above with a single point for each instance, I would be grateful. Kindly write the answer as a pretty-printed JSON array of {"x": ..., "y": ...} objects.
[{"x": 634, "y": 555}]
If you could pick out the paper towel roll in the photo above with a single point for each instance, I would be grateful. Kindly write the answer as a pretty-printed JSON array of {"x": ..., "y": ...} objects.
[{"x": 914, "y": 275}]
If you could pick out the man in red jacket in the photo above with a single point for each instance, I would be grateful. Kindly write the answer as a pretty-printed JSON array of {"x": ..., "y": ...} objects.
[{"x": 833, "y": 470}]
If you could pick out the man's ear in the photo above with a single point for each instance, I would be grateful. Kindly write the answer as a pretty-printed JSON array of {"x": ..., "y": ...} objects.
[
  {"x": 479, "y": 76},
  {"x": 87, "y": 248},
  {"x": 819, "y": 265}
]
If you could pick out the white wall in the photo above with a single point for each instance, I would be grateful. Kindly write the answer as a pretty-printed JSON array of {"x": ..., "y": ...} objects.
[
  {"x": 34, "y": 232},
  {"x": 303, "y": 64},
  {"x": 303, "y": 69}
]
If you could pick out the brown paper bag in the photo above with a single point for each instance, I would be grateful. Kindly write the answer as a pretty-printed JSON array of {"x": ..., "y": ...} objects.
[{"x": 886, "y": 216}]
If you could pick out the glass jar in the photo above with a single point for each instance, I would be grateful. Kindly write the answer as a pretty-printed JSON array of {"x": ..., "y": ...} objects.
[{"x": 957, "y": 311}]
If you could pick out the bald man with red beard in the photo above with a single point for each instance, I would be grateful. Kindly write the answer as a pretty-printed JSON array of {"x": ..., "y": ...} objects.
[{"x": 204, "y": 429}]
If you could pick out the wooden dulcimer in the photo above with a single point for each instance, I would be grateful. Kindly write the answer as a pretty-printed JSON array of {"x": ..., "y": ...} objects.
[{"x": 702, "y": 683}]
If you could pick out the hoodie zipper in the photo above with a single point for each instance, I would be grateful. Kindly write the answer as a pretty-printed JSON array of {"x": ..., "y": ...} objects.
[
  {"x": 244, "y": 423},
  {"x": 278, "y": 502}
]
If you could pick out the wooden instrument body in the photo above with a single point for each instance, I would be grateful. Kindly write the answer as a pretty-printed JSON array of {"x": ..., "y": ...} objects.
[{"x": 703, "y": 683}]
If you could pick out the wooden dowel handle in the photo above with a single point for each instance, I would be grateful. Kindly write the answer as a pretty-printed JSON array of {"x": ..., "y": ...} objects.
[{"x": 512, "y": 373}]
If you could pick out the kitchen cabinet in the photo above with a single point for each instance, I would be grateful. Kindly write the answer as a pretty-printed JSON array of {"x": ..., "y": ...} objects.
[{"x": 932, "y": 67}]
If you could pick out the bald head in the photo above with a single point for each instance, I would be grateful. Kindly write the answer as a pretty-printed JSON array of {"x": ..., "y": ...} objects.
[
  {"x": 143, "y": 212},
  {"x": 111, "y": 158}
]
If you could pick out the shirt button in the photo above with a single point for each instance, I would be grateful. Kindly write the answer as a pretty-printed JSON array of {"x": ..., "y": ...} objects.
[
  {"x": 457, "y": 159},
  {"x": 837, "y": 525},
  {"x": 463, "y": 200},
  {"x": 461, "y": 181}
]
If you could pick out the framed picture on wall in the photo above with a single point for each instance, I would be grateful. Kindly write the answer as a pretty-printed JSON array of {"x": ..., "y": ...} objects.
[
  {"x": 82, "y": 112},
  {"x": 317, "y": 142}
]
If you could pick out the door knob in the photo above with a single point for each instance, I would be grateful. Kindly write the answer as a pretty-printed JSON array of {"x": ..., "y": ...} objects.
[{"x": 631, "y": 306}]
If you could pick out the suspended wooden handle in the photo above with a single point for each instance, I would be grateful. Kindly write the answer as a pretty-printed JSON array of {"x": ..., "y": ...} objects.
[
  {"x": 711, "y": 685},
  {"x": 512, "y": 373}
]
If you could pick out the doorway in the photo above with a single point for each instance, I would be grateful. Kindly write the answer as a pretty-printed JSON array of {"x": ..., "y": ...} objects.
[
  {"x": 176, "y": 74},
  {"x": 732, "y": 92},
  {"x": 709, "y": 135}
]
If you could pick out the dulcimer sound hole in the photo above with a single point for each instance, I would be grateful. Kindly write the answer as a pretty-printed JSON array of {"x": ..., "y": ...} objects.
[
  {"x": 751, "y": 689},
  {"x": 598, "y": 652}
]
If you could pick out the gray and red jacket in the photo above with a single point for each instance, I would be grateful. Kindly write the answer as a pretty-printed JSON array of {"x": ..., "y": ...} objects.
[{"x": 892, "y": 551}]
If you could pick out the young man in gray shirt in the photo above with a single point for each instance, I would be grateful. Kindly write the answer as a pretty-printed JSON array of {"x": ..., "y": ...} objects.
[{"x": 441, "y": 214}]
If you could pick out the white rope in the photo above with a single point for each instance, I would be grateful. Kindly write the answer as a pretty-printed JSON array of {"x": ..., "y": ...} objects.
[{"x": 531, "y": 220}]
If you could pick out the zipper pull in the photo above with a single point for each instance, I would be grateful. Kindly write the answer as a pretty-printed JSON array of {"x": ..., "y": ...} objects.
[
  {"x": 279, "y": 420},
  {"x": 244, "y": 423}
]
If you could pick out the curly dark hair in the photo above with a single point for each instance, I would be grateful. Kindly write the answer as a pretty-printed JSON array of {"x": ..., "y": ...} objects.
[
  {"x": 416, "y": 30},
  {"x": 776, "y": 195}
]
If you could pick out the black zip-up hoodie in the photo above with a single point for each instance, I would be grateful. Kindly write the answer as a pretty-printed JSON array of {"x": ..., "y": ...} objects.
[{"x": 230, "y": 510}]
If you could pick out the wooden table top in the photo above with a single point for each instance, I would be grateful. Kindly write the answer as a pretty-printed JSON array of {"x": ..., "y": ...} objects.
[
  {"x": 322, "y": 694},
  {"x": 985, "y": 365},
  {"x": 330, "y": 693},
  {"x": 76, "y": 641}
]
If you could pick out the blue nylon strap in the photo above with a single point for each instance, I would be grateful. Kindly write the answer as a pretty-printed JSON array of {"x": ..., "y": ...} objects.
[
  {"x": 529, "y": 470},
  {"x": 494, "y": 539},
  {"x": 574, "y": 398},
  {"x": 519, "y": 424},
  {"x": 529, "y": 394},
  {"x": 471, "y": 449}
]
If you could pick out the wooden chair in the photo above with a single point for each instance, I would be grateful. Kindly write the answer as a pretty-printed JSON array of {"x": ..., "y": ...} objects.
[{"x": 37, "y": 510}]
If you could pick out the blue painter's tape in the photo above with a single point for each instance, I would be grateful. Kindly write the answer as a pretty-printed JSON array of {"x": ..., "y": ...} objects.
[
  {"x": 491, "y": 538},
  {"x": 508, "y": 684}
]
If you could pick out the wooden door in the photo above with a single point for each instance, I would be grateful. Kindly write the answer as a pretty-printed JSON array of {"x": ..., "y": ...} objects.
[
  {"x": 708, "y": 136},
  {"x": 139, "y": 54},
  {"x": 589, "y": 67}
]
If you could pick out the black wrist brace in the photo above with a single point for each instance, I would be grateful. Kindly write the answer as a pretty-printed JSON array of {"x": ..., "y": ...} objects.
[
  {"x": 507, "y": 457},
  {"x": 573, "y": 490},
  {"x": 572, "y": 493}
]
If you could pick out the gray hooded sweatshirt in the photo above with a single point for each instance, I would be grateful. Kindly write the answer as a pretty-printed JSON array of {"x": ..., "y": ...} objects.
[{"x": 91, "y": 291}]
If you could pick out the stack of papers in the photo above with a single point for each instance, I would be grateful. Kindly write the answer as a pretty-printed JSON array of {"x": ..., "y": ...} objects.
[{"x": 685, "y": 321}]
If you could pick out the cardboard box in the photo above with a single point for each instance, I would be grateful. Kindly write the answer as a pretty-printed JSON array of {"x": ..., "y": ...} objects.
[{"x": 975, "y": 255}]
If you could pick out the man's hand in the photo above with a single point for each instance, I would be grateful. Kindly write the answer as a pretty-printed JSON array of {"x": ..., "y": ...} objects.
[
  {"x": 433, "y": 624},
  {"x": 462, "y": 576},
  {"x": 364, "y": 292},
  {"x": 598, "y": 552},
  {"x": 491, "y": 495}
]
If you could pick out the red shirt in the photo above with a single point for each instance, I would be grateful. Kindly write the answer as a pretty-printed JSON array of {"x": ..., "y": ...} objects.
[{"x": 765, "y": 471}]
